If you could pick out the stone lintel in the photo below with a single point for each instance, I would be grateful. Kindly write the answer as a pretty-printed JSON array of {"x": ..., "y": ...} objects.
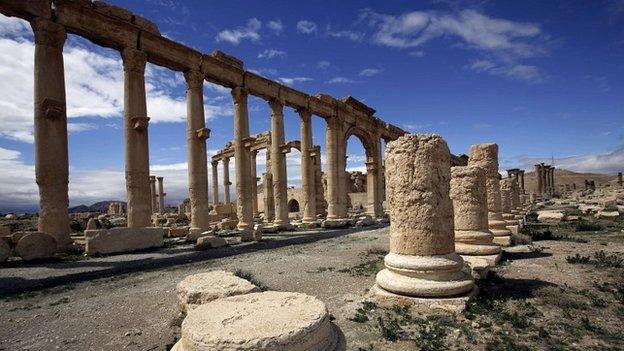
[
  {"x": 168, "y": 53},
  {"x": 26, "y": 9},
  {"x": 261, "y": 87},
  {"x": 220, "y": 72},
  {"x": 357, "y": 104}
]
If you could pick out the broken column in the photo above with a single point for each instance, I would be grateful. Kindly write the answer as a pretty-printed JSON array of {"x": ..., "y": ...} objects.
[
  {"x": 226, "y": 181},
  {"x": 136, "y": 139},
  {"x": 486, "y": 157},
  {"x": 161, "y": 196},
  {"x": 278, "y": 164},
  {"x": 153, "y": 194},
  {"x": 242, "y": 161},
  {"x": 307, "y": 168},
  {"x": 422, "y": 267},
  {"x": 196, "y": 135},
  {"x": 50, "y": 131},
  {"x": 473, "y": 240},
  {"x": 215, "y": 182}
]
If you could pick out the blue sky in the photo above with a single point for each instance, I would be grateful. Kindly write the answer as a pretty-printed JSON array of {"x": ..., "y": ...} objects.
[{"x": 540, "y": 78}]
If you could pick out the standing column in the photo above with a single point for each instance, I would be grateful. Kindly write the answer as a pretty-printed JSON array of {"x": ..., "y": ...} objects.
[
  {"x": 278, "y": 164},
  {"x": 486, "y": 157},
  {"x": 215, "y": 182},
  {"x": 373, "y": 180},
  {"x": 50, "y": 130},
  {"x": 307, "y": 168},
  {"x": 522, "y": 181},
  {"x": 153, "y": 193},
  {"x": 226, "y": 180},
  {"x": 242, "y": 160},
  {"x": 538, "y": 177},
  {"x": 552, "y": 179},
  {"x": 196, "y": 135},
  {"x": 331, "y": 136},
  {"x": 254, "y": 184},
  {"x": 136, "y": 139},
  {"x": 422, "y": 261},
  {"x": 343, "y": 176},
  {"x": 161, "y": 196}
]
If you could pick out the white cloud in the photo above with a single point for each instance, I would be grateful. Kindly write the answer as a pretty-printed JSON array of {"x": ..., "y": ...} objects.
[
  {"x": 234, "y": 36},
  {"x": 527, "y": 73},
  {"x": 293, "y": 80},
  {"x": 80, "y": 127},
  {"x": 277, "y": 26},
  {"x": 271, "y": 53},
  {"x": 94, "y": 85},
  {"x": 609, "y": 161},
  {"x": 340, "y": 80},
  {"x": 323, "y": 64},
  {"x": 344, "y": 34},
  {"x": 306, "y": 27},
  {"x": 370, "y": 72}
]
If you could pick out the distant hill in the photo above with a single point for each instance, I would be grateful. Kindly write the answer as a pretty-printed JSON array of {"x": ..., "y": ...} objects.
[
  {"x": 101, "y": 206},
  {"x": 563, "y": 176}
]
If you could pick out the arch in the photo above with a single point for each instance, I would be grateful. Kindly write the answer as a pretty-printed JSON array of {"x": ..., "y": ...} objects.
[
  {"x": 364, "y": 137},
  {"x": 293, "y": 206}
]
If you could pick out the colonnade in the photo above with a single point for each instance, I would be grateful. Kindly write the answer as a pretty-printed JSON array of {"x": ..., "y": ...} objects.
[
  {"x": 518, "y": 176},
  {"x": 545, "y": 175}
]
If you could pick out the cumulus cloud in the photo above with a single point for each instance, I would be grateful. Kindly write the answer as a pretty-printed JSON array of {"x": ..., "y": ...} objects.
[
  {"x": 93, "y": 80},
  {"x": 306, "y": 27},
  {"x": 527, "y": 73},
  {"x": 234, "y": 36},
  {"x": 271, "y": 53},
  {"x": 277, "y": 26},
  {"x": 370, "y": 72}
]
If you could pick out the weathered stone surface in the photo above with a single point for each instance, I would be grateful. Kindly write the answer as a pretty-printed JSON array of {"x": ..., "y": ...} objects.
[
  {"x": 177, "y": 232},
  {"x": 335, "y": 223},
  {"x": 35, "y": 246},
  {"x": 422, "y": 262},
  {"x": 92, "y": 224},
  {"x": 209, "y": 242},
  {"x": 5, "y": 250},
  {"x": 114, "y": 240},
  {"x": 607, "y": 214},
  {"x": 270, "y": 320},
  {"x": 15, "y": 237},
  {"x": 201, "y": 288},
  {"x": 4, "y": 231},
  {"x": 551, "y": 216}
]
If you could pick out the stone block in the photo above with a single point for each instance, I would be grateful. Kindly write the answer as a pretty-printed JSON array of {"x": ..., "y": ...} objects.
[
  {"x": 201, "y": 288},
  {"x": 209, "y": 242},
  {"x": 5, "y": 250},
  {"x": 5, "y": 231},
  {"x": 177, "y": 232},
  {"x": 36, "y": 246},
  {"x": 551, "y": 216},
  {"x": 608, "y": 214},
  {"x": 116, "y": 240}
]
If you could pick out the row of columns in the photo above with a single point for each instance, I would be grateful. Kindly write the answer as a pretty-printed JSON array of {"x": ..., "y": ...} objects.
[
  {"x": 545, "y": 175},
  {"x": 158, "y": 199},
  {"x": 518, "y": 176}
]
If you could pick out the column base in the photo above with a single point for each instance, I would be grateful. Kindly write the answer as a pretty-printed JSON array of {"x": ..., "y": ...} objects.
[
  {"x": 387, "y": 299},
  {"x": 502, "y": 240},
  {"x": 250, "y": 235},
  {"x": 335, "y": 223},
  {"x": 514, "y": 229},
  {"x": 477, "y": 261}
]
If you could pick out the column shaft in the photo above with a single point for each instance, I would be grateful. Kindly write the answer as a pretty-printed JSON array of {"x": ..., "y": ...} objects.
[
  {"x": 254, "y": 184},
  {"x": 196, "y": 135},
  {"x": 215, "y": 183},
  {"x": 153, "y": 193},
  {"x": 278, "y": 163},
  {"x": 307, "y": 167},
  {"x": 136, "y": 139},
  {"x": 331, "y": 140},
  {"x": 242, "y": 160},
  {"x": 161, "y": 196},
  {"x": 226, "y": 180},
  {"x": 50, "y": 131},
  {"x": 373, "y": 180}
]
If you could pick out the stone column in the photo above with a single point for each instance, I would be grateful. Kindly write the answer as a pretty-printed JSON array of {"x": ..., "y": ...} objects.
[
  {"x": 373, "y": 180},
  {"x": 506, "y": 189},
  {"x": 308, "y": 183},
  {"x": 161, "y": 196},
  {"x": 486, "y": 157},
  {"x": 552, "y": 178},
  {"x": 343, "y": 176},
  {"x": 242, "y": 161},
  {"x": 196, "y": 135},
  {"x": 50, "y": 130},
  {"x": 278, "y": 164},
  {"x": 321, "y": 203},
  {"x": 254, "y": 184},
  {"x": 522, "y": 181},
  {"x": 545, "y": 182},
  {"x": 153, "y": 193},
  {"x": 619, "y": 178},
  {"x": 538, "y": 177},
  {"x": 226, "y": 180},
  {"x": 215, "y": 182},
  {"x": 422, "y": 264},
  {"x": 269, "y": 204},
  {"x": 473, "y": 239},
  {"x": 333, "y": 193}
]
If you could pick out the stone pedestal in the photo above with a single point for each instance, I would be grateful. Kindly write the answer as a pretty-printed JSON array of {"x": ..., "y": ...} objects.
[
  {"x": 196, "y": 135},
  {"x": 50, "y": 131},
  {"x": 485, "y": 156},
  {"x": 472, "y": 237},
  {"x": 201, "y": 288},
  {"x": 136, "y": 139},
  {"x": 422, "y": 265},
  {"x": 270, "y": 320}
]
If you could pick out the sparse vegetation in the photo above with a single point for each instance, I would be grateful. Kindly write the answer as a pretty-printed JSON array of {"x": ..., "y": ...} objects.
[{"x": 586, "y": 226}]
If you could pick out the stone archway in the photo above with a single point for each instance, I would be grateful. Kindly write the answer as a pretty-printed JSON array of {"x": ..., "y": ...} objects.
[{"x": 293, "y": 206}]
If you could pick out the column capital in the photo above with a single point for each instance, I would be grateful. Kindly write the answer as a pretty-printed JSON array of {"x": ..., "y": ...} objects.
[
  {"x": 153, "y": 178},
  {"x": 239, "y": 94},
  {"x": 48, "y": 33},
  {"x": 160, "y": 179},
  {"x": 226, "y": 160},
  {"x": 277, "y": 106},
  {"x": 215, "y": 163},
  {"x": 134, "y": 60},
  {"x": 305, "y": 114},
  {"x": 194, "y": 79}
]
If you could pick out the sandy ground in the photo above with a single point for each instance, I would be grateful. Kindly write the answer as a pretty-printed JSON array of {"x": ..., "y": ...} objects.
[{"x": 128, "y": 302}]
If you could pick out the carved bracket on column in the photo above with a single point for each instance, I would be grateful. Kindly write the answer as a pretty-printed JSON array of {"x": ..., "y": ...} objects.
[
  {"x": 139, "y": 123},
  {"x": 285, "y": 149},
  {"x": 248, "y": 141},
  {"x": 203, "y": 133},
  {"x": 371, "y": 166},
  {"x": 52, "y": 109}
]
